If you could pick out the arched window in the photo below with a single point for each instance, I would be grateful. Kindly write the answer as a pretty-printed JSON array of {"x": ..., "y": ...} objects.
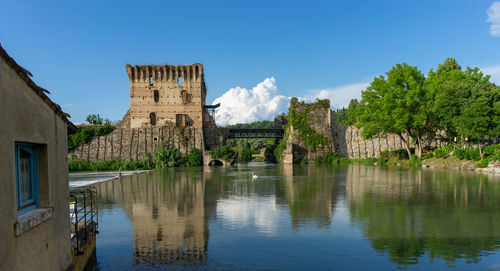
[
  {"x": 156, "y": 95},
  {"x": 152, "y": 118},
  {"x": 179, "y": 81},
  {"x": 151, "y": 80}
]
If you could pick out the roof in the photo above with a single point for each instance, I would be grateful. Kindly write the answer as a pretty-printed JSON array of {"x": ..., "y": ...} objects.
[
  {"x": 25, "y": 75},
  {"x": 212, "y": 106}
]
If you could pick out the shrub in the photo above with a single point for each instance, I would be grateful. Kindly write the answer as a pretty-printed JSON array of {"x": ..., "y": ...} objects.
[
  {"x": 443, "y": 151},
  {"x": 85, "y": 134},
  {"x": 194, "y": 158},
  {"x": 399, "y": 153},
  {"x": 226, "y": 153},
  {"x": 269, "y": 153},
  {"x": 246, "y": 154},
  {"x": 164, "y": 157},
  {"x": 467, "y": 154},
  {"x": 330, "y": 157}
]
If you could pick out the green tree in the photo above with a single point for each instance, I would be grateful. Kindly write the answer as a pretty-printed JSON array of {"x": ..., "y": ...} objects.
[
  {"x": 467, "y": 103},
  {"x": 398, "y": 104},
  {"x": 246, "y": 154}
]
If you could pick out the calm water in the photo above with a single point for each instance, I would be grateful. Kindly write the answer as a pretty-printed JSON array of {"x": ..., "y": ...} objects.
[{"x": 299, "y": 218}]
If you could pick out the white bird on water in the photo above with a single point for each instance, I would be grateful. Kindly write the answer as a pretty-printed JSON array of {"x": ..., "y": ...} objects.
[{"x": 254, "y": 176}]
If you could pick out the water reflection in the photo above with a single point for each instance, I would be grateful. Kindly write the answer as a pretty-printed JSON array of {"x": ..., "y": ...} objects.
[
  {"x": 167, "y": 213},
  {"x": 297, "y": 217},
  {"x": 441, "y": 214}
]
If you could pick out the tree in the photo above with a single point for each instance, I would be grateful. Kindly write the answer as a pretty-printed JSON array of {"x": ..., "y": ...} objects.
[
  {"x": 467, "y": 103},
  {"x": 398, "y": 104}
]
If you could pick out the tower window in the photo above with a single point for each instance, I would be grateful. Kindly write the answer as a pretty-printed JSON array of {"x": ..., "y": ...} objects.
[
  {"x": 152, "y": 118},
  {"x": 156, "y": 96},
  {"x": 151, "y": 80},
  {"x": 179, "y": 81}
]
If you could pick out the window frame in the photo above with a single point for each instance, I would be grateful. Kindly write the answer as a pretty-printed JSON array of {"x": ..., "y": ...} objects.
[{"x": 34, "y": 202}]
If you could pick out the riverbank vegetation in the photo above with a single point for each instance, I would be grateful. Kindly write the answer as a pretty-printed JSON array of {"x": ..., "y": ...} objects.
[
  {"x": 450, "y": 103},
  {"x": 96, "y": 126},
  {"x": 162, "y": 157}
]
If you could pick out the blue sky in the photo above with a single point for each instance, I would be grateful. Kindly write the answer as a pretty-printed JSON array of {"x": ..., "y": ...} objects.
[{"x": 78, "y": 50}]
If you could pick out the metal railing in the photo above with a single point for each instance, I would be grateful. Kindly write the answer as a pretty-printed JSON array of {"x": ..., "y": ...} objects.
[{"x": 84, "y": 219}]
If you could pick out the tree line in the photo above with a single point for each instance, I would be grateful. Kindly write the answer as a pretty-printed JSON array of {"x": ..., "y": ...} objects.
[{"x": 450, "y": 104}]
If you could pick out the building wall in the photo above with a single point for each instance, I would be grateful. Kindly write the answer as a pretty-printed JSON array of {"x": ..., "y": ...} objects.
[
  {"x": 26, "y": 118},
  {"x": 164, "y": 79}
]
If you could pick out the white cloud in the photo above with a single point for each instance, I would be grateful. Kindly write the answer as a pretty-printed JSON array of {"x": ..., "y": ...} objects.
[
  {"x": 238, "y": 213},
  {"x": 494, "y": 18},
  {"x": 494, "y": 71},
  {"x": 339, "y": 96},
  {"x": 241, "y": 105}
]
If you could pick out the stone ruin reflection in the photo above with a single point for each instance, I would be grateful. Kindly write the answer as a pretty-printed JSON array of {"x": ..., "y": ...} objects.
[{"x": 167, "y": 213}]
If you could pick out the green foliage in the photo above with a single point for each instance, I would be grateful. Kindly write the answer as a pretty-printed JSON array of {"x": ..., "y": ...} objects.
[
  {"x": 226, "y": 153},
  {"x": 490, "y": 153},
  {"x": 467, "y": 154},
  {"x": 85, "y": 134},
  {"x": 246, "y": 154},
  {"x": 94, "y": 119},
  {"x": 330, "y": 157},
  {"x": 299, "y": 121},
  {"x": 144, "y": 164},
  {"x": 399, "y": 154},
  {"x": 442, "y": 152},
  {"x": 398, "y": 104},
  {"x": 467, "y": 104},
  {"x": 347, "y": 116},
  {"x": 269, "y": 153},
  {"x": 164, "y": 157},
  {"x": 194, "y": 158},
  {"x": 256, "y": 144},
  {"x": 278, "y": 150}
]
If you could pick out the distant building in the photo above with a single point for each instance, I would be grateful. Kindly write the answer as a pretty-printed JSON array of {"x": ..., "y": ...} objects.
[
  {"x": 35, "y": 225},
  {"x": 166, "y": 95}
]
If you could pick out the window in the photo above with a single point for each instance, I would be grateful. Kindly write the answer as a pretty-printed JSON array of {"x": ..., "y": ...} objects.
[
  {"x": 156, "y": 95},
  {"x": 151, "y": 80},
  {"x": 179, "y": 81},
  {"x": 26, "y": 177},
  {"x": 152, "y": 118}
]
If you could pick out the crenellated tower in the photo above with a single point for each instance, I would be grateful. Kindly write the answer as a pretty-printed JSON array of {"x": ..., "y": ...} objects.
[{"x": 167, "y": 95}]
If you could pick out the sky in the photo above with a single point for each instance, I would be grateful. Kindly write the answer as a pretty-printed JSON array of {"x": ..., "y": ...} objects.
[{"x": 256, "y": 54}]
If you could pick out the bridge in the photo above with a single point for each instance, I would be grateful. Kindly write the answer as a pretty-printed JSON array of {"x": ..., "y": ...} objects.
[{"x": 256, "y": 133}]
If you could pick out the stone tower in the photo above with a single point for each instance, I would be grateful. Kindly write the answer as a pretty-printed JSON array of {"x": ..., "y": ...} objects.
[{"x": 167, "y": 95}]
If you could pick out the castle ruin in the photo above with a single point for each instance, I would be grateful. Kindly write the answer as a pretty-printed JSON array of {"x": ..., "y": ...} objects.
[{"x": 166, "y": 95}]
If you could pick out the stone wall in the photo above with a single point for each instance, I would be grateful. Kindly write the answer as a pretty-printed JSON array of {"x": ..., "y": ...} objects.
[
  {"x": 125, "y": 144},
  {"x": 319, "y": 118},
  {"x": 347, "y": 140},
  {"x": 350, "y": 144}
]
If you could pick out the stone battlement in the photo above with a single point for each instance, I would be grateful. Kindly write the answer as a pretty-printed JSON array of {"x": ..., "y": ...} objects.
[{"x": 164, "y": 73}]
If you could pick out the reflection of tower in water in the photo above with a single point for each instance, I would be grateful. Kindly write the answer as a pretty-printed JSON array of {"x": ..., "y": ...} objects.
[{"x": 168, "y": 217}]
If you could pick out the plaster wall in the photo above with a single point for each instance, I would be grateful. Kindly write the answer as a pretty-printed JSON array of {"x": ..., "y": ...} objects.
[{"x": 26, "y": 118}]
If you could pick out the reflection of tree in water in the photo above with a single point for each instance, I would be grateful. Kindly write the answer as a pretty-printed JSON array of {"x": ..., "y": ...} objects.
[
  {"x": 167, "y": 213},
  {"x": 407, "y": 214},
  {"x": 310, "y": 193}
]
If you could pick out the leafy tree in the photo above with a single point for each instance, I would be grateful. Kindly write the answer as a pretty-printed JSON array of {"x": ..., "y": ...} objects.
[
  {"x": 467, "y": 104},
  {"x": 246, "y": 154},
  {"x": 226, "y": 153},
  {"x": 398, "y": 104}
]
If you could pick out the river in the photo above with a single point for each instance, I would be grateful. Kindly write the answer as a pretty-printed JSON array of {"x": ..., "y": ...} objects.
[{"x": 299, "y": 218}]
